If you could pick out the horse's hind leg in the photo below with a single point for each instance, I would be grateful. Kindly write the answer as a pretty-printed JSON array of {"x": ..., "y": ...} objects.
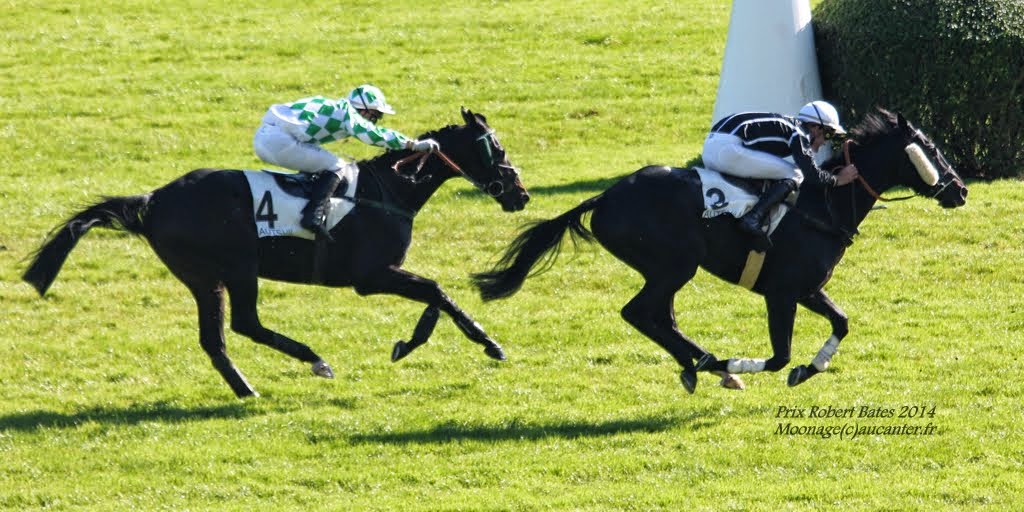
[
  {"x": 245, "y": 320},
  {"x": 821, "y": 304},
  {"x": 652, "y": 313},
  {"x": 210, "y": 301}
]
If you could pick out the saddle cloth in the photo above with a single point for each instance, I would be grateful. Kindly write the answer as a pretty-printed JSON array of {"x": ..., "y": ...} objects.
[
  {"x": 723, "y": 196},
  {"x": 277, "y": 209}
]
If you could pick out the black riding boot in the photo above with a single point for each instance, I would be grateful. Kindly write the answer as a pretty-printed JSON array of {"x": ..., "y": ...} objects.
[
  {"x": 752, "y": 221},
  {"x": 314, "y": 216}
]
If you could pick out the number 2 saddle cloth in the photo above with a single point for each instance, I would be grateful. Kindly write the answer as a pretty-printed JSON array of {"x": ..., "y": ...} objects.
[{"x": 725, "y": 194}]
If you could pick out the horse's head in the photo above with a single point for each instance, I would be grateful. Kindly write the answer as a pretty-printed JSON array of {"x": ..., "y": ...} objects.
[
  {"x": 925, "y": 169},
  {"x": 482, "y": 160},
  {"x": 910, "y": 157}
]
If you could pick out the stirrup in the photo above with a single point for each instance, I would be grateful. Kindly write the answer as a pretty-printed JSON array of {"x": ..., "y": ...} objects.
[
  {"x": 322, "y": 231},
  {"x": 759, "y": 238},
  {"x": 750, "y": 225},
  {"x": 318, "y": 228}
]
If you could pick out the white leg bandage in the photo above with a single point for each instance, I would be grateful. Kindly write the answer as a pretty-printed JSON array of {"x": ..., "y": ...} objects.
[
  {"x": 824, "y": 357},
  {"x": 745, "y": 365}
]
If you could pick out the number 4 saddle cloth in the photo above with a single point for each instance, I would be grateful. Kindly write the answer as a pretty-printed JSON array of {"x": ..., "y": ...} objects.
[{"x": 278, "y": 199}]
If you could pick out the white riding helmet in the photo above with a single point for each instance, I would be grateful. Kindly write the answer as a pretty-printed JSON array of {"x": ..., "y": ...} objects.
[
  {"x": 822, "y": 113},
  {"x": 368, "y": 97}
]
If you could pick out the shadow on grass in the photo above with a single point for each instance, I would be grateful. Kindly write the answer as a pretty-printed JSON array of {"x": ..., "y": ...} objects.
[
  {"x": 518, "y": 431},
  {"x": 157, "y": 411}
]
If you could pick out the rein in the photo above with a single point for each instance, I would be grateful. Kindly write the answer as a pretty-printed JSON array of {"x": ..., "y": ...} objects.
[
  {"x": 379, "y": 205},
  {"x": 422, "y": 158},
  {"x": 864, "y": 183}
]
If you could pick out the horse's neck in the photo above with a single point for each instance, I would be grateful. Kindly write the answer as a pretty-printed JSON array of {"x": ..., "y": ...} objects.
[
  {"x": 408, "y": 191},
  {"x": 853, "y": 202}
]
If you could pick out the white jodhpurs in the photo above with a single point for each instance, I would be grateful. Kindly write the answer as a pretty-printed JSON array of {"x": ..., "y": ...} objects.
[
  {"x": 277, "y": 147},
  {"x": 726, "y": 154}
]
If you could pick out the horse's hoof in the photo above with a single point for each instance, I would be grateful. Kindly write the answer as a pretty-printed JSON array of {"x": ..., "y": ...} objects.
[
  {"x": 495, "y": 352},
  {"x": 401, "y": 350},
  {"x": 798, "y": 375},
  {"x": 689, "y": 380},
  {"x": 322, "y": 369},
  {"x": 704, "y": 362},
  {"x": 730, "y": 381}
]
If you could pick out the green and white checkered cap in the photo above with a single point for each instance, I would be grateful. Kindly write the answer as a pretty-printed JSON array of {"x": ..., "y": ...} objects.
[{"x": 368, "y": 97}]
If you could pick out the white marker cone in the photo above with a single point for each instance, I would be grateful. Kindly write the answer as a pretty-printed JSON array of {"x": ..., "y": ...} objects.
[{"x": 769, "y": 63}]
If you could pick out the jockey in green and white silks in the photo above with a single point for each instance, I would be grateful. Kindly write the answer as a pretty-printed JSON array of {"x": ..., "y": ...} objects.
[{"x": 291, "y": 135}]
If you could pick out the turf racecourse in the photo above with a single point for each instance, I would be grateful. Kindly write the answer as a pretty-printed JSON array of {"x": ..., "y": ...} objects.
[{"x": 109, "y": 403}]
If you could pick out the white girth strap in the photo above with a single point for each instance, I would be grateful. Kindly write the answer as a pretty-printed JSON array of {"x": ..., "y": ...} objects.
[
  {"x": 824, "y": 357},
  {"x": 745, "y": 365}
]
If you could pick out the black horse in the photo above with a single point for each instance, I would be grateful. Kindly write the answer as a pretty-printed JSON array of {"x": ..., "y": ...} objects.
[
  {"x": 652, "y": 221},
  {"x": 202, "y": 227}
]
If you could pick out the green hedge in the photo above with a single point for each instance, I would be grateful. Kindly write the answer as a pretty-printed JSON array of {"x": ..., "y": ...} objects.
[{"x": 955, "y": 68}]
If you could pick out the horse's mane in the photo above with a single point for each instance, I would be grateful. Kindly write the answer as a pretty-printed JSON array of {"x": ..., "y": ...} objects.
[
  {"x": 433, "y": 134},
  {"x": 874, "y": 126},
  {"x": 386, "y": 158}
]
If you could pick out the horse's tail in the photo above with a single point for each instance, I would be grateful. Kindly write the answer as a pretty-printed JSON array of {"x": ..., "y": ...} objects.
[
  {"x": 124, "y": 213},
  {"x": 541, "y": 240}
]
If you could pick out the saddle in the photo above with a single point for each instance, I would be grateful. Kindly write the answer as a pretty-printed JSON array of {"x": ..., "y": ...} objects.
[
  {"x": 753, "y": 186},
  {"x": 300, "y": 184}
]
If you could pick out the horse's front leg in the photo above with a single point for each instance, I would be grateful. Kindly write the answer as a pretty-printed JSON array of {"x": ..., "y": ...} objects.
[
  {"x": 781, "y": 314},
  {"x": 395, "y": 281},
  {"x": 821, "y": 304}
]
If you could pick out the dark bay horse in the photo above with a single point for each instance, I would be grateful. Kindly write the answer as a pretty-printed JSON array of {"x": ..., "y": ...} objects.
[
  {"x": 652, "y": 220},
  {"x": 201, "y": 225}
]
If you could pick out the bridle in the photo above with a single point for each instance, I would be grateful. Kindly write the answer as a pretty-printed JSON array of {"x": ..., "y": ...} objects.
[
  {"x": 494, "y": 188},
  {"x": 944, "y": 182},
  {"x": 864, "y": 183}
]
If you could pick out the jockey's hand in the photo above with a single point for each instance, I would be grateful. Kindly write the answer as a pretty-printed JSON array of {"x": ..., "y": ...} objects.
[
  {"x": 428, "y": 145},
  {"x": 846, "y": 175}
]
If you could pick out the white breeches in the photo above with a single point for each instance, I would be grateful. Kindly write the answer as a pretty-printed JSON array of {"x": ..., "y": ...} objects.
[
  {"x": 277, "y": 147},
  {"x": 726, "y": 154}
]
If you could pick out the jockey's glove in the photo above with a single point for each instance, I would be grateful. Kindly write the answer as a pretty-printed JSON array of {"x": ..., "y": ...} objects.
[{"x": 428, "y": 145}]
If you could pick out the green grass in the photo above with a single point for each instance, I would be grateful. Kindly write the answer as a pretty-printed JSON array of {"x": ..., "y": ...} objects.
[{"x": 109, "y": 403}]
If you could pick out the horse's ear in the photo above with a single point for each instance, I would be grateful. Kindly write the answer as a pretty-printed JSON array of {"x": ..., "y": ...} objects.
[
  {"x": 467, "y": 115},
  {"x": 902, "y": 121}
]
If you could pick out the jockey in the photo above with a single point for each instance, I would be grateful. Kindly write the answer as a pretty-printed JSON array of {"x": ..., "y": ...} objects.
[
  {"x": 291, "y": 134},
  {"x": 754, "y": 145}
]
